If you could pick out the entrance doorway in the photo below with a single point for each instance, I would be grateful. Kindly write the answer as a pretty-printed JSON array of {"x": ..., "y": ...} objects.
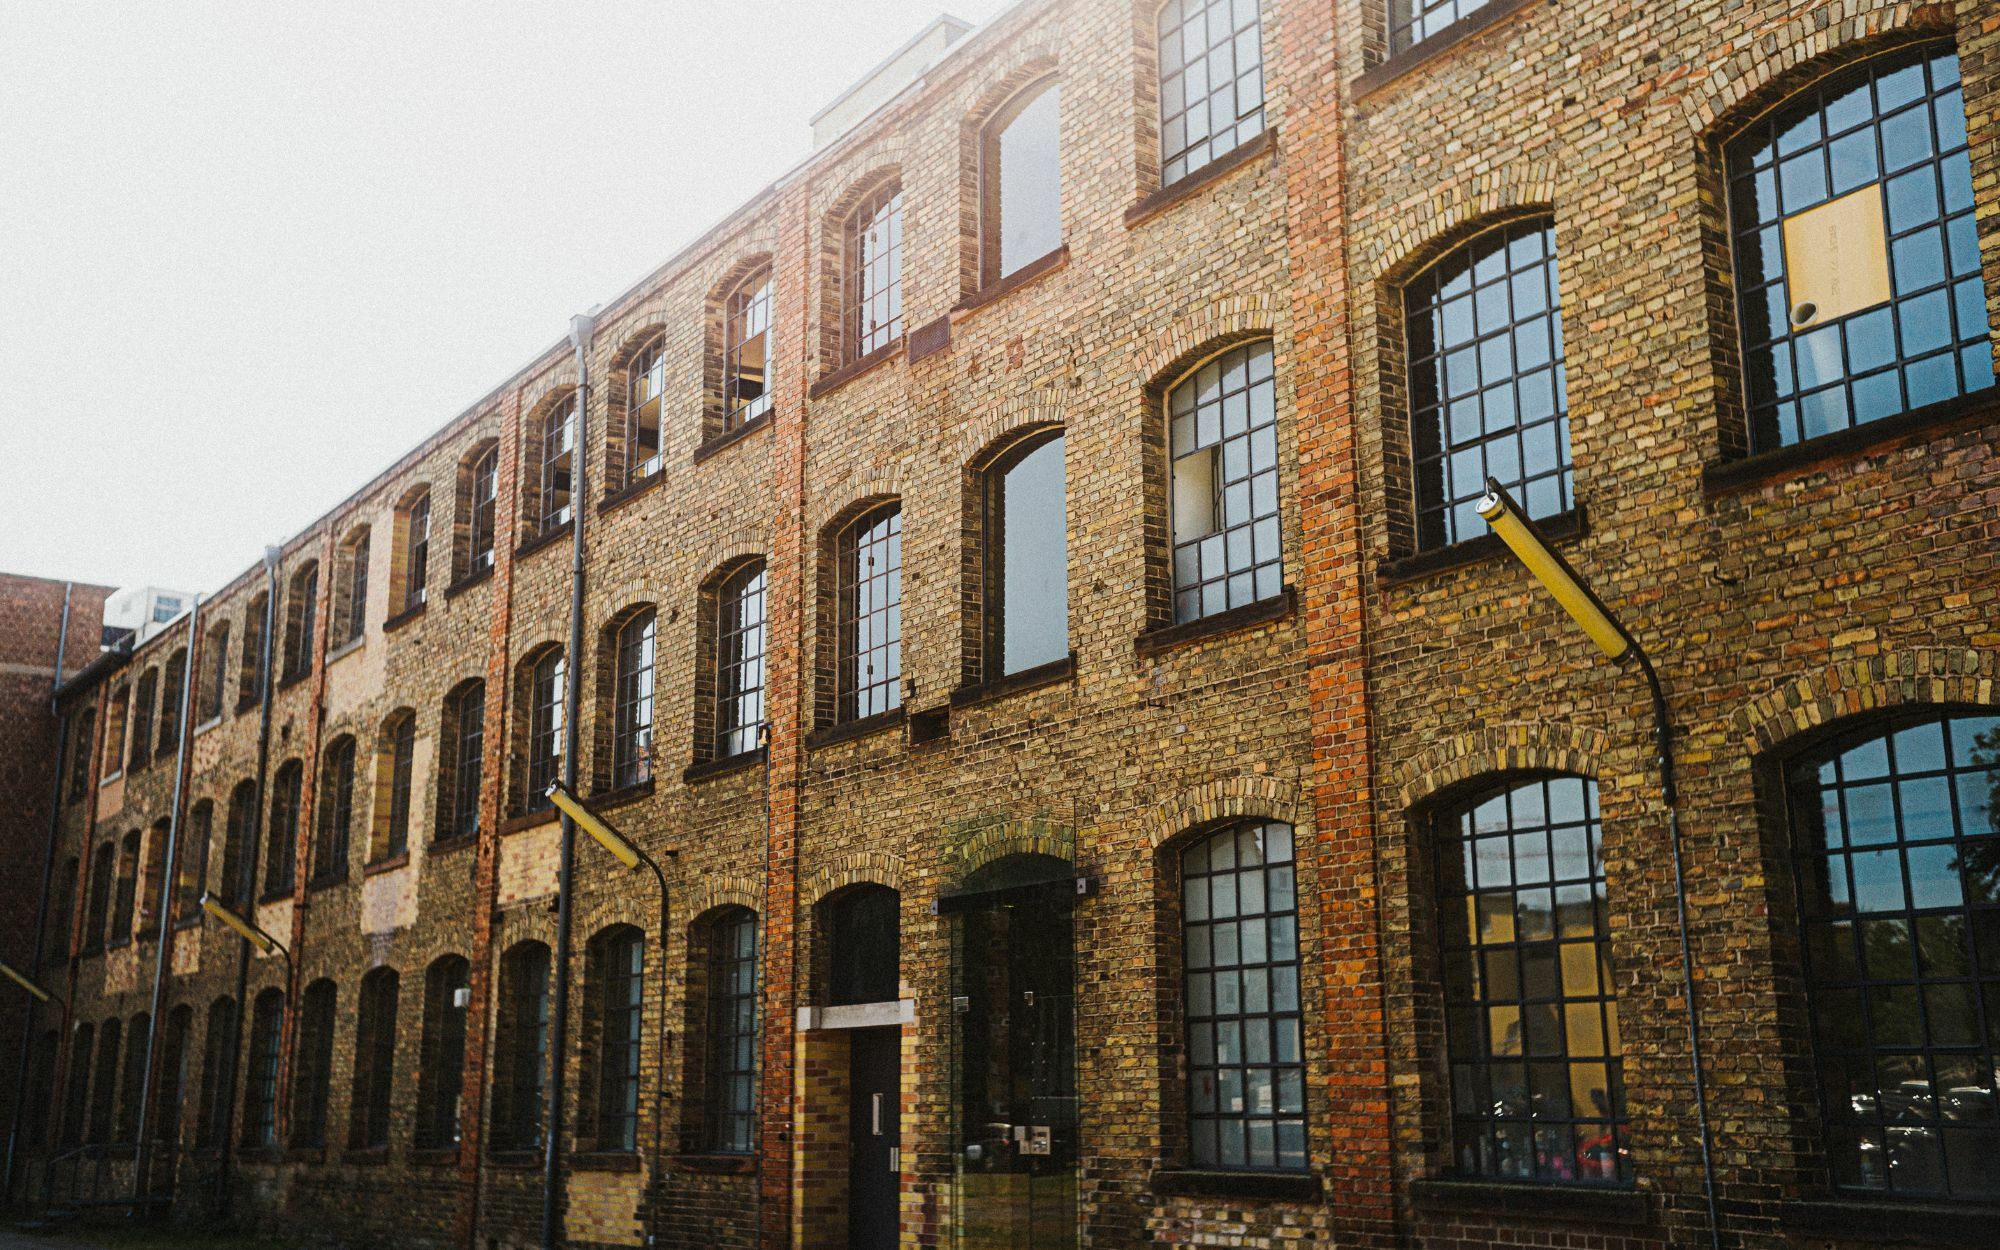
[
  {"x": 874, "y": 1137},
  {"x": 1014, "y": 1055}
]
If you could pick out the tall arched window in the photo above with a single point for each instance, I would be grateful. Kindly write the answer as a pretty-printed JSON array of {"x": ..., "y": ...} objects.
[
  {"x": 232, "y": 888},
  {"x": 546, "y": 688},
  {"x": 82, "y": 734},
  {"x": 557, "y": 456},
  {"x": 645, "y": 394},
  {"x": 97, "y": 910},
  {"x": 218, "y": 1069},
  {"x": 874, "y": 284},
  {"x": 395, "y": 776},
  {"x": 1869, "y": 166},
  {"x": 127, "y": 902},
  {"x": 171, "y": 1087},
  {"x": 441, "y": 1064},
  {"x": 1211, "y": 82},
  {"x": 131, "y": 1081},
  {"x": 1531, "y": 1023},
  {"x": 173, "y": 686},
  {"x": 1896, "y": 837},
  {"x": 76, "y": 1092},
  {"x": 482, "y": 492},
  {"x": 153, "y": 876},
  {"x": 312, "y": 1064},
  {"x": 618, "y": 976},
  {"x": 214, "y": 672},
  {"x": 336, "y": 813},
  {"x": 416, "y": 570},
  {"x": 374, "y": 1061},
  {"x": 142, "y": 719},
  {"x": 301, "y": 619},
  {"x": 250, "y": 667},
  {"x": 870, "y": 614},
  {"x": 632, "y": 712},
  {"x": 739, "y": 661},
  {"x": 521, "y": 1047},
  {"x": 260, "y": 1093},
  {"x": 191, "y": 873},
  {"x": 1025, "y": 550},
  {"x": 746, "y": 351},
  {"x": 351, "y": 600},
  {"x": 118, "y": 710},
  {"x": 462, "y": 760},
  {"x": 281, "y": 853},
  {"x": 104, "y": 1081},
  {"x": 731, "y": 1032},
  {"x": 1487, "y": 392},
  {"x": 1240, "y": 955},
  {"x": 1021, "y": 182},
  {"x": 62, "y": 916},
  {"x": 1222, "y": 431}
]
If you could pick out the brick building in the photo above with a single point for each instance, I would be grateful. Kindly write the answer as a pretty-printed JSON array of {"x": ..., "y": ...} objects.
[{"x": 1108, "y": 785}]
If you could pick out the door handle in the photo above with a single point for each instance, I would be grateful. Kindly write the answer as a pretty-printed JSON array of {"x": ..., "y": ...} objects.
[{"x": 875, "y": 1112}]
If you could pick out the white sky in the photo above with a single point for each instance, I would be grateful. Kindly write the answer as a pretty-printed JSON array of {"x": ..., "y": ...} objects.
[{"x": 252, "y": 252}]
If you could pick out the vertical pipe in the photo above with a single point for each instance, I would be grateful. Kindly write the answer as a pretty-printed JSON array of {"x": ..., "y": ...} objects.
[
  {"x": 580, "y": 328},
  {"x": 42, "y": 908},
  {"x": 163, "y": 952}
]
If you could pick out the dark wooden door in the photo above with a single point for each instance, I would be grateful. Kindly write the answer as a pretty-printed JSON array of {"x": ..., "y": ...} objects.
[{"x": 874, "y": 1070}]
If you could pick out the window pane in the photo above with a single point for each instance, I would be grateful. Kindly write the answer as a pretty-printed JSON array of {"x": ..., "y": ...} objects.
[
  {"x": 1033, "y": 553},
  {"x": 1222, "y": 438},
  {"x": 1030, "y": 183},
  {"x": 871, "y": 615},
  {"x": 1211, "y": 83}
]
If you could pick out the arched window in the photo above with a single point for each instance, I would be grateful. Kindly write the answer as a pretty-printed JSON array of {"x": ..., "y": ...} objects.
[
  {"x": 153, "y": 876},
  {"x": 312, "y": 1064},
  {"x": 546, "y": 686},
  {"x": 191, "y": 872},
  {"x": 250, "y": 668},
  {"x": 556, "y": 457},
  {"x": 104, "y": 1081},
  {"x": 281, "y": 853},
  {"x": 1531, "y": 1023},
  {"x": 1240, "y": 956},
  {"x": 645, "y": 396},
  {"x": 1869, "y": 166},
  {"x": 260, "y": 1093},
  {"x": 171, "y": 1086},
  {"x": 1896, "y": 838},
  {"x": 351, "y": 618},
  {"x": 416, "y": 570},
  {"x": 336, "y": 813},
  {"x": 461, "y": 760},
  {"x": 441, "y": 1064},
  {"x": 76, "y": 1081},
  {"x": 214, "y": 672},
  {"x": 374, "y": 1061},
  {"x": 1211, "y": 82},
  {"x": 301, "y": 618},
  {"x": 1025, "y": 552},
  {"x": 739, "y": 661},
  {"x": 142, "y": 719},
  {"x": 1021, "y": 182},
  {"x": 870, "y": 608},
  {"x": 521, "y": 1047},
  {"x": 40, "y": 1090},
  {"x": 97, "y": 913},
  {"x": 864, "y": 945},
  {"x": 874, "y": 283},
  {"x": 1413, "y": 21},
  {"x": 618, "y": 979},
  {"x": 131, "y": 1081},
  {"x": 632, "y": 711},
  {"x": 479, "y": 495},
  {"x": 81, "y": 745},
  {"x": 1487, "y": 392},
  {"x": 746, "y": 351},
  {"x": 1222, "y": 431},
  {"x": 395, "y": 772},
  {"x": 62, "y": 917},
  {"x": 233, "y": 889},
  {"x": 730, "y": 1058},
  {"x": 111, "y": 761},
  {"x": 218, "y": 1064},
  {"x": 126, "y": 906},
  {"x": 173, "y": 685}
]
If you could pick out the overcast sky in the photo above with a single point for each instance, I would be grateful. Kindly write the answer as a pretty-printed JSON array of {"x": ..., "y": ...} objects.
[{"x": 252, "y": 252}]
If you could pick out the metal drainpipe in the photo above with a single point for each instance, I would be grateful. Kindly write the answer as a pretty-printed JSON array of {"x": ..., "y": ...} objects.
[
  {"x": 41, "y": 909},
  {"x": 163, "y": 954},
  {"x": 246, "y": 877},
  {"x": 581, "y": 327}
]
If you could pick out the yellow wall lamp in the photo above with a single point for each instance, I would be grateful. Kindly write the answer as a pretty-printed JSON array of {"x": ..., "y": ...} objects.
[
  {"x": 29, "y": 984},
  {"x": 1563, "y": 583},
  {"x": 247, "y": 930}
]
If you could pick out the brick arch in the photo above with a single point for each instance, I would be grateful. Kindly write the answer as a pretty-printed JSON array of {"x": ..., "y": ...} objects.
[
  {"x": 1915, "y": 677},
  {"x": 1430, "y": 226},
  {"x": 1769, "y": 68},
  {"x": 978, "y": 438},
  {"x": 737, "y": 264},
  {"x": 1226, "y": 320},
  {"x": 726, "y": 551},
  {"x": 541, "y": 394},
  {"x": 855, "y": 868},
  {"x": 878, "y": 163},
  {"x": 634, "y": 335},
  {"x": 1033, "y": 835},
  {"x": 854, "y": 496},
  {"x": 1226, "y": 798},
  {"x": 703, "y": 898},
  {"x": 617, "y": 601},
  {"x": 1525, "y": 746}
]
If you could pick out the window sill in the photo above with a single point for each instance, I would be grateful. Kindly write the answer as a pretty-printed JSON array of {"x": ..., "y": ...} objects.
[
  {"x": 1601, "y": 1204},
  {"x": 244, "y": 704},
  {"x": 190, "y": 921},
  {"x": 533, "y": 820},
  {"x": 467, "y": 582},
  {"x": 512, "y": 1159},
  {"x": 1195, "y": 181},
  {"x": 714, "y": 1164},
  {"x": 630, "y": 491},
  {"x": 1919, "y": 425},
  {"x": 604, "y": 1161},
  {"x": 327, "y": 882},
  {"x": 1052, "y": 673},
  {"x": 547, "y": 538},
  {"x": 433, "y": 1157},
  {"x": 260, "y": 1154},
  {"x": 706, "y": 769},
  {"x": 365, "y": 1156},
  {"x": 456, "y": 842},
  {"x": 1562, "y": 527},
  {"x": 108, "y": 778},
  {"x": 1284, "y": 1186},
  {"x": 1473, "y": 23},
  {"x": 274, "y": 896},
  {"x": 391, "y": 864},
  {"x": 118, "y": 943},
  {"x": 1001, "y": 288},
  {"x": 730, "y": 438},
  {"x": 1926, "y": 1223},
  {"x": 846, "y": 731},
  {"x": 292, "y": 679},
  {"x": 830, "y": 382},
  {"x": 208, "y": 724},
  {"x": 606, "y": 799},
  {"x": 1263, "y": 612},
  {"x": 404, "y": 617},
  {"x": 346, "y": 649}
]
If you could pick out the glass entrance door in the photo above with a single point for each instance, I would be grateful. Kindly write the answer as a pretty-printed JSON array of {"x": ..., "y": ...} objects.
[{"x": 1014, "y": 1067}]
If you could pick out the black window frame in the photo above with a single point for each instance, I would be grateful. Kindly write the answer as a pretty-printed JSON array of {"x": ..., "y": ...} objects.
[
  {"x": 441, "y": 1062},
  {"x": 645, "y": 394},
  {"x": 548, "y": 688},
  {"x": 312, "y": 1065},
  {"x": 618, "y": 968},
  {"x": 1197, "y": 415},
  {"x": 637, "y": 647},
  {"x": 260, "y": 1090},
  {"x": 334, "y": 836},
  {"x": 741, "y": 634},
  {"x": 1179, "y": 156},
  {"x": 730, "y": 1067},
  {"x": 869, "y": 614},
  {"x": 369, "y": 1116},
  {"x": 873, "y": 282},
  {"x": 746, "y": 319}
]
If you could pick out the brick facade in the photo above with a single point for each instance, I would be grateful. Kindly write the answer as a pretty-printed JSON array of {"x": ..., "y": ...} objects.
[{"x": 1780, "y": 595}]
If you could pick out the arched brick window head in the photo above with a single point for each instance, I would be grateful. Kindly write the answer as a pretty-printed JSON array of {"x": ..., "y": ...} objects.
[
  {"x": 632, "y": 730},
  {"x": 483, "y": 491}
]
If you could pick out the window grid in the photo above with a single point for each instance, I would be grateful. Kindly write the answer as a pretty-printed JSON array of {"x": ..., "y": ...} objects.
[
  {"x": 357, "y": 590},
  {"x": 739, "y": 668},
  {"x": 1211, "y": 82},
  {"x": 1898, "y": 844},
  {"x": 645, "y": 396},
  {"x": 305, "y": 600},
  {"x": 469, "y": 718},
  {"x": 312, "y": 1075},
  {"x": 173, "y": 683},
  {"x": 1223, "y": 436},
  {"x": 623, "y": 967},
  {"x": 336, "y": 813},
  {"x": 1531, "y": 1022},
  {"x": 525, "y": 1000},
  {"x": 1240, "y": 944},
  {"x": 281, "y": 858},
  {"x": 558, "y": 455},
  {"x": 547, "y": 687},
  {"x": 875, "y": 272},
  {"x": 402, "y": 763},
  {"x": 79, "y": 753},
  {"x": 632, "y": 754},
  {"x": 441, "y": 1071},
  {"x": 130, "y": 1081},
  {"x": 416, "y": 570},
  {"x": 871, "y": 615},
  {"x": 104, "y": 1082},
  {"x": 1413, "y": 21},
  {"x": 732, "y": 1034},
  {"x": 1488, "y": 394},
  {"x": 746, "y": 353},
  {"x": 218, "y": 1061},
  {"x": 260, "y": 1112},
  {"x": 1897, "y": 122},
  {"x": 374, "y": 1060},
  {"x": 192, "y": 870},
  {"x": 485, "y": 491}
]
